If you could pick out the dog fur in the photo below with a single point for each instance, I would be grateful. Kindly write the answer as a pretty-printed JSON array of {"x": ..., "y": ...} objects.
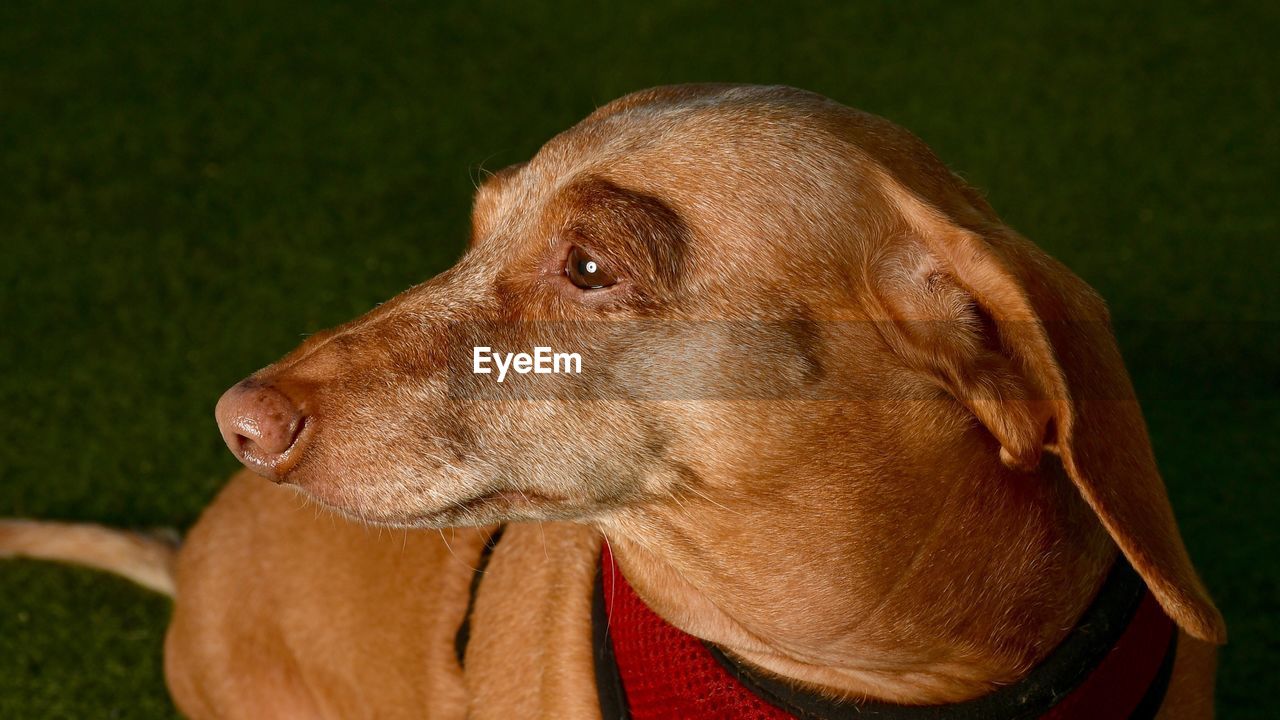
[{"x": 812, "y": 422}]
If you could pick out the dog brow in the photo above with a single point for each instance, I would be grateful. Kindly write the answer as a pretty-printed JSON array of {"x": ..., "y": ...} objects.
[{"x": 638, "y": 228}]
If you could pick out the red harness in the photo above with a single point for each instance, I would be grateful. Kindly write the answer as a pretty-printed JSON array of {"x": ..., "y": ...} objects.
[{"x": 1115, "y": 665}]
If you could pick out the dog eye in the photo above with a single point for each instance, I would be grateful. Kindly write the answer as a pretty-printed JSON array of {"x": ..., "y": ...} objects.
[{"x": 586, "y": 272}]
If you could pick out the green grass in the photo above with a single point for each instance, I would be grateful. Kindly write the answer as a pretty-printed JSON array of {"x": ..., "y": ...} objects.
[{"x": 188, "y": 188}]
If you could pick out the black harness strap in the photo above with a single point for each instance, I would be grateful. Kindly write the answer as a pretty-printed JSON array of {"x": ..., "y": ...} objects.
[
  {"x": 1066, "y": 668},
  {"x": 1053, "y": 679},
  {"x": 613, "y": 699},
  {"x": 463, "y": 636}
]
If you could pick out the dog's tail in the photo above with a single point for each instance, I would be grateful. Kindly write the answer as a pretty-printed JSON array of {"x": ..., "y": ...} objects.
[{"x": 147, "y": 559}]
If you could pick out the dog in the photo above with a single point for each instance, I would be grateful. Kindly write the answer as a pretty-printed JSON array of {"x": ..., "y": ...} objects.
[{"x": 834, "y": 422}]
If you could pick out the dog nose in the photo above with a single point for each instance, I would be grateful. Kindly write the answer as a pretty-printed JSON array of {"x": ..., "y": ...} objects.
[{"x": 261, "y": 425}]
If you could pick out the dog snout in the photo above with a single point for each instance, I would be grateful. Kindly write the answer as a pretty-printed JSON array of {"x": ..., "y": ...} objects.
[{"x": 262, "y": 426}]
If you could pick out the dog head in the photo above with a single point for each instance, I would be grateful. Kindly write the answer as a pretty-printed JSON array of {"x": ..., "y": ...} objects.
[{"x": 769, "y": 295}]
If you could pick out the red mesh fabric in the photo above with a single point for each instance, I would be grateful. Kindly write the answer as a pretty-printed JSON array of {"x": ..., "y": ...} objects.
[
  {"x": 1117, "y": 684},
  {"x": 668, "y": 674}
]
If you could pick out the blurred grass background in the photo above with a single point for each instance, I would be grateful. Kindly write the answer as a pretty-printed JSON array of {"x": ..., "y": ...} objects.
[{"x": 187, "y": 188}]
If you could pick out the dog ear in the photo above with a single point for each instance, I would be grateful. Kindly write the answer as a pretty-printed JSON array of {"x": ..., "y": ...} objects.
[{"x": 1027, "y": 346}]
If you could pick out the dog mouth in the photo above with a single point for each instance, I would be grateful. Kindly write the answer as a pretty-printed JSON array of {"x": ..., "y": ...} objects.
[
  {"x": 483, "y": 509},
  {"x": 495, "y": 505}
]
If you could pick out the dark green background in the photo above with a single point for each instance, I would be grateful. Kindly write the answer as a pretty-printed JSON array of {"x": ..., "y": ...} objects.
[{"x": 187, "y": 189}]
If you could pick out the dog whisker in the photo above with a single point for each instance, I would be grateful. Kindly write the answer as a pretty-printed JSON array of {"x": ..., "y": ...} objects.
[{"x": 722, "y": 506}]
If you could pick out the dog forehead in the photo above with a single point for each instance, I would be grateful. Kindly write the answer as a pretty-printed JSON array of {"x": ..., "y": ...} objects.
[
  {"x": 695, "y": 129},
  {"x": 685, "y": 150},
  {"x": 758, "y": 174},
  {"x": 734, "y": 139}
]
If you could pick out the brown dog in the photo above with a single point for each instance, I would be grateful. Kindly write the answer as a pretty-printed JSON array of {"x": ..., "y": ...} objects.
[{"x": 817, "y": 375}]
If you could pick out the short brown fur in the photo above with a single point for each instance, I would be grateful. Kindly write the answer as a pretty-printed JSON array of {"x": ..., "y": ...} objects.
[{"x": 837, "y": 472}]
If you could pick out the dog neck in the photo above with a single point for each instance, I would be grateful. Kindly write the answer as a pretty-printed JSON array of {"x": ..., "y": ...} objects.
[{"x": 903, "y": 600}]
